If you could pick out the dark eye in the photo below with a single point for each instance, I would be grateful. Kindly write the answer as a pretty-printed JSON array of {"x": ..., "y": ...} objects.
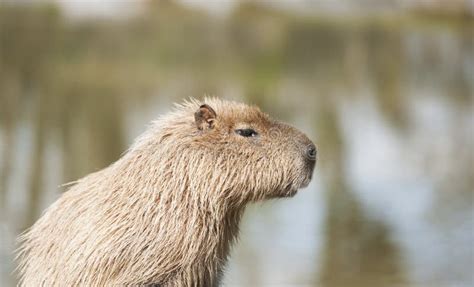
[{"x": 246, "y": 132}]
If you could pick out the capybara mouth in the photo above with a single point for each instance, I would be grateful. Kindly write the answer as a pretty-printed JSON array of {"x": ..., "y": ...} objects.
[
  {"x": 291, "y": 190},
  {"x": 305, "y": 183},
  {"x": 307, "y": 178}
]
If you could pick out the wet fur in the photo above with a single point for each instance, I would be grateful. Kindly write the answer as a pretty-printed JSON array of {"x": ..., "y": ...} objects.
[{"x": 168, "y": 211}]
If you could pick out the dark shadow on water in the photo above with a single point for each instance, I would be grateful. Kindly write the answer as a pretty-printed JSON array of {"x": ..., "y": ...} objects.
[{"x": 357, "y": 249}]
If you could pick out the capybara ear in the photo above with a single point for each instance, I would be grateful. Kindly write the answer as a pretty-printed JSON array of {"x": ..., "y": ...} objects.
[{"x": 205, "y": 117}]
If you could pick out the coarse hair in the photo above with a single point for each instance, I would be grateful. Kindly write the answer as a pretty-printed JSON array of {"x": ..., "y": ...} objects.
[{"x": 167, "y": 212}]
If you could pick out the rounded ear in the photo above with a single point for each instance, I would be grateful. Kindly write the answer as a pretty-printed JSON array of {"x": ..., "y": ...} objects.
[{"x": 205, "y": 117}]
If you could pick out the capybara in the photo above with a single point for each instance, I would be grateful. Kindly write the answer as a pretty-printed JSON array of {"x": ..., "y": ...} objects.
[{"x": 167, "y": 212}]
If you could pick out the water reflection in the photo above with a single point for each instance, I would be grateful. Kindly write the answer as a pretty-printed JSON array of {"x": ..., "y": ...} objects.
[
  {"x": 389, "y": 103},
  {"x": 358, "y": 249}
]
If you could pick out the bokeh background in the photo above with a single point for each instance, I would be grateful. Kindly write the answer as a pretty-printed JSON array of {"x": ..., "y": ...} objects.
[{"x": 384, "y": 87}]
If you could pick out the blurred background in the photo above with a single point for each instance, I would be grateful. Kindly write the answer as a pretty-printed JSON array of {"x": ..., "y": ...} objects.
[{"x": 385, "y": 87}]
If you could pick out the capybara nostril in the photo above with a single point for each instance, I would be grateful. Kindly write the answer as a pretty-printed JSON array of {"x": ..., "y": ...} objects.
[{"x": 311, "y": 152}]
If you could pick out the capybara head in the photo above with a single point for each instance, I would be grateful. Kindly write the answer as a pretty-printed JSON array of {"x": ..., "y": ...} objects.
[{"x": 238, "y": 151}]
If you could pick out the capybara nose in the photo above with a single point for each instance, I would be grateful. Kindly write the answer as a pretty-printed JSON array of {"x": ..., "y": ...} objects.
[{"x": 311, "y": 152}]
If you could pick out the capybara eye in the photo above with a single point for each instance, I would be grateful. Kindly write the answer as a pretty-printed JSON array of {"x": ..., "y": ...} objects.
[{"x": 246, "y": 132}]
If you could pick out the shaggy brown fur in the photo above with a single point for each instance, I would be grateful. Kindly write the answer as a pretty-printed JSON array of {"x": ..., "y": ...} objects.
[{"x": 168, "y": 211}]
